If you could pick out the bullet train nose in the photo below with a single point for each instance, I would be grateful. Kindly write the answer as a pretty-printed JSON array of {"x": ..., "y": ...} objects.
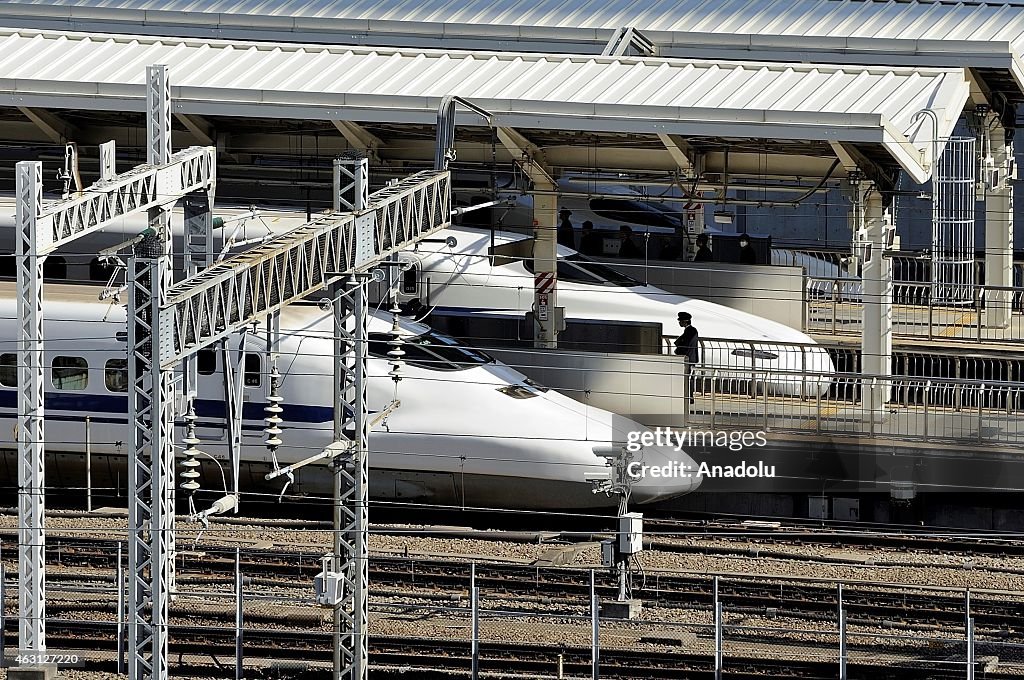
[
  {"x": 662, "y": 473},
  {"x": 820, "y": 370}
]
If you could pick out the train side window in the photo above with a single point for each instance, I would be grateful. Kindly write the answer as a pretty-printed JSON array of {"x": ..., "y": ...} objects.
[
  {"x": 8, "y": 265},
  {"x": 70, "y": 373},
  {"x": 409, "y": 277},
  {"x": 55, "y": 267},
  {"x": 253, "y": 374},
  {"x": 115, "y": 375},
  {"x": 9, "y": 369},
  {"x": 100, "y": 269},
  {"x": 206, "y": 362}
]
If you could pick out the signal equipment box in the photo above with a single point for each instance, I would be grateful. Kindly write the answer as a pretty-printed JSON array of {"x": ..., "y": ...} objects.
[{"x": 631, "y": 533}]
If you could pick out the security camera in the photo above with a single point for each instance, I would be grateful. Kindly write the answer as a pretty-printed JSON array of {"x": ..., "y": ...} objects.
[
  {"x": 325, "y": 304},
  {"x": 451, "y": 242}
]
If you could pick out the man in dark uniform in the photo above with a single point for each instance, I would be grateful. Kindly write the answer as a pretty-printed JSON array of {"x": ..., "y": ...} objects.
[
  {"x": 747, "y": 253},
  {"x": 703, "y": 253},
  {"x": 687, "y": 345},
  {"x": 591, "y": 243},
  {"x": 566, "y": 235},
  {"x": 628, "y": 249}
]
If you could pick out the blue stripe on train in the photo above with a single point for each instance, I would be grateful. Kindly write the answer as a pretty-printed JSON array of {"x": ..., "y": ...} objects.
[{"x": 91, "y": 404}]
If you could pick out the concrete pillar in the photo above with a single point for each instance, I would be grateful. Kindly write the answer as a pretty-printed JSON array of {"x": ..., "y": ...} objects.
[
  {"x": 545, "y": 262},
  {"x": 999, "y": 233},
  {"x": 876, "y": 277}
]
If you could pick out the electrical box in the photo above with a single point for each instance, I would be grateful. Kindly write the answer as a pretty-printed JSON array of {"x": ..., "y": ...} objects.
[
  {"x": 817, "y": 507},
  {"x": 608, "y": 553},
  {"x": 329, "y": 587},
  {"x": 631, "y": 533},
  {"x": 846, "y": 509}
]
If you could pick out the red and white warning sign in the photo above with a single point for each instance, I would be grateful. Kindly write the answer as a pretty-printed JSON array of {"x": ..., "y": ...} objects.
[{"x": 544, "y": 282}]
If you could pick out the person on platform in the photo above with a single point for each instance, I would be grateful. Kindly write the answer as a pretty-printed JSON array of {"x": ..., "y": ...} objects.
[
  {"x": 628, "y": 249},
  {"x": 747, "y": 253},
  {"x": 703, "y": 253},
  {"x": 688, "y": 345},
  {"x": 673, "y": 247},
  {"x": 566, "y": 235},
  {"x": 591, "y": 243}
]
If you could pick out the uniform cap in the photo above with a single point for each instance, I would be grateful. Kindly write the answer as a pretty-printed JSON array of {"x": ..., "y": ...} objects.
[{"x": 685, "y": 316}]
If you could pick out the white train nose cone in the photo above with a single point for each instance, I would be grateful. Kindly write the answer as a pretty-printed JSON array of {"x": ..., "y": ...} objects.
[{"x": 660, "y": 473}]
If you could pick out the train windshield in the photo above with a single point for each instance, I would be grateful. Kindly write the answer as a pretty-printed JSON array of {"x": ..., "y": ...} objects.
[
  {"x": 578, "y": 268},
  {"x": 633, "y": 212},
  {"x": 430, "y": 350}
]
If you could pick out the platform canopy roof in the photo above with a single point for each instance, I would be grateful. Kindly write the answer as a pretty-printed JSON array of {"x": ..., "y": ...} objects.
[
  {"x": 871, "y": 111},
  {"x": 985, "y": 36}
]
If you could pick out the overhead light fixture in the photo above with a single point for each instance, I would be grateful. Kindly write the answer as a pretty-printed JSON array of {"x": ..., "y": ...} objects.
[{"x": 723, "y": 217}]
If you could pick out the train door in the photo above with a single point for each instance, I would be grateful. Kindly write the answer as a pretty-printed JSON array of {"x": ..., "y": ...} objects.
[
  {"x": 255, "y": 384},
  {"x": 211, "y": 425}
]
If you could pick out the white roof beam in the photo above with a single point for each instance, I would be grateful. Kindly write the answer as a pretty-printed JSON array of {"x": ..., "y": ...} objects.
[
  {"x": 200, "y": 128},
  {"x": 681, "y": 152},
  {"x": 529, "y": 156},
  {"x": 852, "y": 160},
  {"x": 53, "y": 126},
  {"x": 360, "y": 138}
]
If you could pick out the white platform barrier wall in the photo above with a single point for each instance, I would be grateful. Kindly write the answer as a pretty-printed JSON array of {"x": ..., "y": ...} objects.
[{"x": 772, "y": 292}]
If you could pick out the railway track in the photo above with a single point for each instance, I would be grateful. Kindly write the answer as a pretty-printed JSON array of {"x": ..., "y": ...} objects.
[
  {"x": 897, "y": 541},
  {"x": 304, "y": 654},
  {"x": 995, "y": 614}
]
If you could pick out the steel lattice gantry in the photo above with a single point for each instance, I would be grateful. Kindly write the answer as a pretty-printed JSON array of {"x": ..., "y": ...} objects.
[
  {"x": 245, "y": 288},
  {"x": 178, "y": 321},
  {"x": 41, "y": 232}
]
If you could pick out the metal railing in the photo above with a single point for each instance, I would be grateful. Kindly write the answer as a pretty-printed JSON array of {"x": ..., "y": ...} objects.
[
  {"x": 834, "y": 307},
  {"x": 931, "y": 409}
]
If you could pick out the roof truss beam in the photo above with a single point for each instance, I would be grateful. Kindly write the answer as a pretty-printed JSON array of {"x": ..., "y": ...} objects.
[
  {"x": 624, "y": 38},
  {"x": 360, "y": 138},
  {"x": 200, "y": 128},
  {"x": 53, "y": 126},
  {"x": 681, "y": 152},
  {"x": 529, "y": 156}
]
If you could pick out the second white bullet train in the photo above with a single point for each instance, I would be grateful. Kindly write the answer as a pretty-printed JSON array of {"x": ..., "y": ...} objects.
[
  {"x": 476, "y": 275},
  {"x": 469, "y": 431}
]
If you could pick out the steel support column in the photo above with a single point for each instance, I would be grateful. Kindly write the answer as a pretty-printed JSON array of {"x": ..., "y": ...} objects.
[
  {"x": 351, "y": 424},
  {"x": 151, "y": 411},
  {"x": 351, "y": 482},
  {"x": 872, "y": 232},
  {"x": 31, "y": 482},
  {"x": 545, "y": 263},
  {"x": 999, "y": 231}
]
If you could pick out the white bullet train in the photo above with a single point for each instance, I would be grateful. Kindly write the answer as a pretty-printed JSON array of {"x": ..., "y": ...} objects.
[
  {"x": 469, "y": 431},
  {"x": 619, "y": 205},
  {"x": 499, "y": 279},
  {"x": 471, "y": 277}
]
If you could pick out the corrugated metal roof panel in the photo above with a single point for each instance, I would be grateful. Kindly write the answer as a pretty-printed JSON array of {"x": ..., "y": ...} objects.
[
  {"x": 908, "y": 20},
  {"x": 567, "y": 92}
]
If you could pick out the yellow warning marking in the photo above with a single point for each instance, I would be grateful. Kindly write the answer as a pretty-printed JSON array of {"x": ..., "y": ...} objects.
[
  {"x": 825, "y": 412},
  {"x": 958, "y": 323}
]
